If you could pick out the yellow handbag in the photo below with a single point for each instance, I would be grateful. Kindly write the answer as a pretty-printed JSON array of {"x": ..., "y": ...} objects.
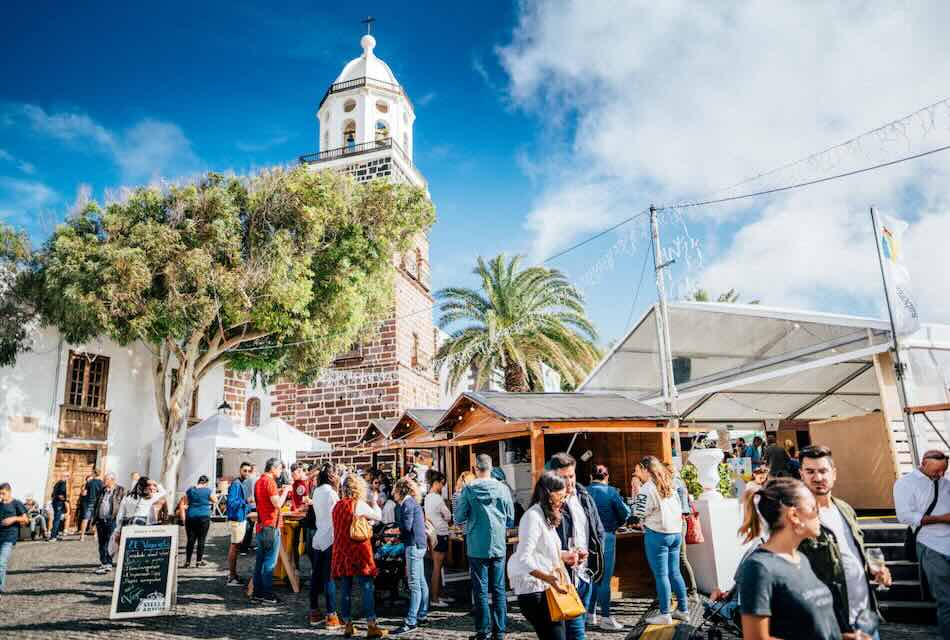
[
  {"x": 360, "y": 528},
  {"x": 564, "y": 606}
]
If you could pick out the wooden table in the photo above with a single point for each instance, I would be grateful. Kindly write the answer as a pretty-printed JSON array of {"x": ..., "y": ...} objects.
[{"x": 284, "y": 569}]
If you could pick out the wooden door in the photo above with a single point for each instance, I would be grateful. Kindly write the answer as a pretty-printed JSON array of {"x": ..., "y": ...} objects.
[{"x": 79, "y": 463}]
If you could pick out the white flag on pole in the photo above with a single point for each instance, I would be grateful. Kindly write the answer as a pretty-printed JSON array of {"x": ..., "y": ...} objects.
[{"x": 890, "y": 240}]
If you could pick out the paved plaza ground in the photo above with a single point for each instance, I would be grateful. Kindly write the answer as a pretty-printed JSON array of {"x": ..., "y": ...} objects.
[{"x": 52, "y": 592}]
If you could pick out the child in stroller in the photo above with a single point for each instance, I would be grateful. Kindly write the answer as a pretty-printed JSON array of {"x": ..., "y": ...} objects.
[{"x": 390, "y": 556}]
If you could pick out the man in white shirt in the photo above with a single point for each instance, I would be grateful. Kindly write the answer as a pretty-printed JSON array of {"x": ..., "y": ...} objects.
[
  {"x": 838, "y": 559},
  {"x": 913, "y": 494}
]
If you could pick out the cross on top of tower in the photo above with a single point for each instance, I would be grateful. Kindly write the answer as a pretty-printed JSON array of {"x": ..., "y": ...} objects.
[{"x": 368, "y": 21}]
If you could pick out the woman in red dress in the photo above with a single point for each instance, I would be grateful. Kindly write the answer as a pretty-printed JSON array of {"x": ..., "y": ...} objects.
[{"x": 352, "y": 559}]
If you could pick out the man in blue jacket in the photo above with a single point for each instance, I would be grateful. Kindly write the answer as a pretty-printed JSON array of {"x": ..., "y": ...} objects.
[
  {"x": 237, "y": 521},
  {"x": 487, "y": 511}
]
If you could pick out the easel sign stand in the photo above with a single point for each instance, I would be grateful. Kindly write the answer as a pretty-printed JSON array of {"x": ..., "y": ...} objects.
[{"x": 146, "y": 577}]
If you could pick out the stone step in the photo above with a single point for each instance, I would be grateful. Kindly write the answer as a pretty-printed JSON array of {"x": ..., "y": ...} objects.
[
  {"x": 903, "y": 570},
  {"x": 901, "y": 591}
]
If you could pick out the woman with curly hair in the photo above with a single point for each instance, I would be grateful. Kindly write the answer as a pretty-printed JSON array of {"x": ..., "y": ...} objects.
[{"x": 354, "y": 558}]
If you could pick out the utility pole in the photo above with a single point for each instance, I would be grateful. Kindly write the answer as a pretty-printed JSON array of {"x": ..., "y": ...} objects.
[
  {"x": 662, "y": 318},
  {"x": 898, "y": 365}
]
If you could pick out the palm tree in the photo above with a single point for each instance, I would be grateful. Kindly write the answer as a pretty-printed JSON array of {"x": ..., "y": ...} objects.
[
  {"x": 520, "y": 319},
  {"x": 701, "y": 295}
]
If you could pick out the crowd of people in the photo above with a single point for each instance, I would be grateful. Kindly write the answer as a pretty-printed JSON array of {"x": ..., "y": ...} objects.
[{"x": 808, "y": 573}]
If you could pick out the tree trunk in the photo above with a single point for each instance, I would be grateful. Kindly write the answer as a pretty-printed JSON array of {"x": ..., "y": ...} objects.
[
  {"x": 173, "y": 448},
  {"x": 515, "y": 379}
]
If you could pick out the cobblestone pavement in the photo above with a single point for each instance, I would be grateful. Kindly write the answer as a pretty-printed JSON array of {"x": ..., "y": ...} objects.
[{"x": 52, "y": 592}]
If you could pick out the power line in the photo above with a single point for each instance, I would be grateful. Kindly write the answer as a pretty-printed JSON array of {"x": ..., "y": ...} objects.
[
  {"x": 807, "y": 183},
  {"x": 636, "y": 296},
  {"x": 596, "y": 236}
]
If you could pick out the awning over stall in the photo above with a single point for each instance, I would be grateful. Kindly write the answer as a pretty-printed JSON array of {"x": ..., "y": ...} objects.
[{"x": 746, "y": 363}]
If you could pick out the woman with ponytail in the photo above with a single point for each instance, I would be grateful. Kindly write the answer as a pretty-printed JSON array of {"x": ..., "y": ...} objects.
[
  {"x": 779, "y": 594},
  {"x": 658, "y": 509}
]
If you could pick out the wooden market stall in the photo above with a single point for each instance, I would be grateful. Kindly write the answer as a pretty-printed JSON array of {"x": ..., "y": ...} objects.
[
  {"x": 521, "y": 431},
  {"x": 410, "y": 432}
]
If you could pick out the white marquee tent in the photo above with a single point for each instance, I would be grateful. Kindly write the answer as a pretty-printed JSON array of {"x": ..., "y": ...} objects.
[{"x": 291, "y": 441}]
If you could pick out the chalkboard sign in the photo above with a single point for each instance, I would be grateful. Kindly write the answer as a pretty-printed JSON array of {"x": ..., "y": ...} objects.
[{"x": 146, "y": 571}]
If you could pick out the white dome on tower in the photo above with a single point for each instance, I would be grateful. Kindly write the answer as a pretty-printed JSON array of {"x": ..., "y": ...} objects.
[{"x": 367, "y": 65}]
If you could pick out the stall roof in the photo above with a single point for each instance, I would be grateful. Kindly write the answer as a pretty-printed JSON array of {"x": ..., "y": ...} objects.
[
  {"x": 379, "y": 428},
  {"x": 748, "y": 363},
  {"x": 428, "y": 419},
  {"x": 561, "y": 407}
]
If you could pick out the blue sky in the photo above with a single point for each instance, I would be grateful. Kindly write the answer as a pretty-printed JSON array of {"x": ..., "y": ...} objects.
[{"x": 537, "y": 124}]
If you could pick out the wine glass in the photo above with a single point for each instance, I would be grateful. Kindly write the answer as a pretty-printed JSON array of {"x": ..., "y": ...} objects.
[{"x": 875, "y": 557}]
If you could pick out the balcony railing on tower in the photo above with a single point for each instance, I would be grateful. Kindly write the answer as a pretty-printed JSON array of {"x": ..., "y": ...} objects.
[
  {"x": 355, "y": 150},
  {"x": 355, "y": 83}
]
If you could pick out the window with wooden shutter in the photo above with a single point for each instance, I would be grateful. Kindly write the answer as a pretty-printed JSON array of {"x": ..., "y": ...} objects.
[{"x": 88, "y": 381}]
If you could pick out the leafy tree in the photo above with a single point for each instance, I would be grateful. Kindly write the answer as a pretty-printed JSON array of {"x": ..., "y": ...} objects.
[
  {"x": 520, "y": 319},
  {"x": 701, "y": 295},
  {"x": 276, "y": 273},
  {"x": 16, "y": 310}
]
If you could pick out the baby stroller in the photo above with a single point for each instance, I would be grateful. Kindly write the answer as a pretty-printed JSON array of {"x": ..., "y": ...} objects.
[{"x": 390, "y": 555}]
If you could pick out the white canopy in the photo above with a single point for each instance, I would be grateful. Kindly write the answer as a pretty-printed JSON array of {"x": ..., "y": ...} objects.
[
  {"x": 290, "y": 440},
  {"x": 217, "y": 434}
]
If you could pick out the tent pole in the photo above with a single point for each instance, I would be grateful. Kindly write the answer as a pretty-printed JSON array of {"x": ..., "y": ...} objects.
[{"x": 898, "y": 365}]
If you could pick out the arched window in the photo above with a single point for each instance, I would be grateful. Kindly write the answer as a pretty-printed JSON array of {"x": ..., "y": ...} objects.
[
  {"x": 382, "y": 106},
  {"x": 349, "y": 134},
  {"x": 253, "y": 413},
  {"x": 349, "y": 105},
  {"x": 382, "y": 130}
]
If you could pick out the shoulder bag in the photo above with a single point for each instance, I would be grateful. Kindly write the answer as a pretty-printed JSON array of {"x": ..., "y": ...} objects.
[
  {"x": 694, "y": 531},
  {"x": 564, "y": 606},
  {"x": 360, "y": 529},
  {"x": 910, "y": 539}
]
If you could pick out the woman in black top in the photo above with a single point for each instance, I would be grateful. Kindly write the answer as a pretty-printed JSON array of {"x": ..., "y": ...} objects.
[{"x": 779, "y": 594}]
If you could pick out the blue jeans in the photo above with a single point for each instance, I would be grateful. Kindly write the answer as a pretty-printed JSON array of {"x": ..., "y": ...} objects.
[
  {"x": 663, "y": 554},
  {"x": 488, "y": 575},
  {"x": 104, "y": 531},
  {"x": 367, "y": 590},
  {"x": 320, "y": 580},
  {"x": 936, "y": 567},
  {"x": 575, "y": 627},
  {"x": 6, "y": 550},
  {"x": 601, "y": 590},
  {"x": 268, "y": 548},
  {"x": 418, "y": 585},
  {"x": 59, "y": 507}
]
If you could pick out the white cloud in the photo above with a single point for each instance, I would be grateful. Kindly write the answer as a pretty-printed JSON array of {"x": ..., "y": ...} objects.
[
  {"x": 263, "y": 145},
  {"x": 426, "y": 98},
  {"x": 22, "y": 165},
  {"x": 674, "y": 100},
  {"x": 146, "y": 151},
  {"x": 23, "y": 198}
]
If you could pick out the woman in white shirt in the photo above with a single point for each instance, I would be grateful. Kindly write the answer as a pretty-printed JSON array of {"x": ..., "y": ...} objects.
[
  {"x": 538, "y": 562},
  {"x": 658, "y": 509},
  {"x": 323, "y": 500},
  {"x": 437, "y": 513},
  {"x": 137, "y": 508}
]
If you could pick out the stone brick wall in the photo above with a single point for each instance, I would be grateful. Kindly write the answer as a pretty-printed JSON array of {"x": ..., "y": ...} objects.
[{"x": 235, "y": 393}]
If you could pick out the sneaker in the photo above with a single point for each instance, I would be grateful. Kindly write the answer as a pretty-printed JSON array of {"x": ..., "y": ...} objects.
[
  {"x": 373, "y": 630},
  {"x": 439, "y": 603},
  {"x": 681, "y": 615},
  {"x": 447, "y": 599},
  {"x": 201, "y": 563},
  {"x": 314, "y": 618},
  {"x": 268, "y": 598},
  {"x": 403, "y": 629},
  {"x": 660, "y": 619},
  {"x": 235, "y": 582},
  {"x": 333, "y": 622},
  {"x": 592, "y": 620},
  {"x": 102, "y": 569},
  {"x": 610, "y": 624},
  {"x": 187, "y": 565}
]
